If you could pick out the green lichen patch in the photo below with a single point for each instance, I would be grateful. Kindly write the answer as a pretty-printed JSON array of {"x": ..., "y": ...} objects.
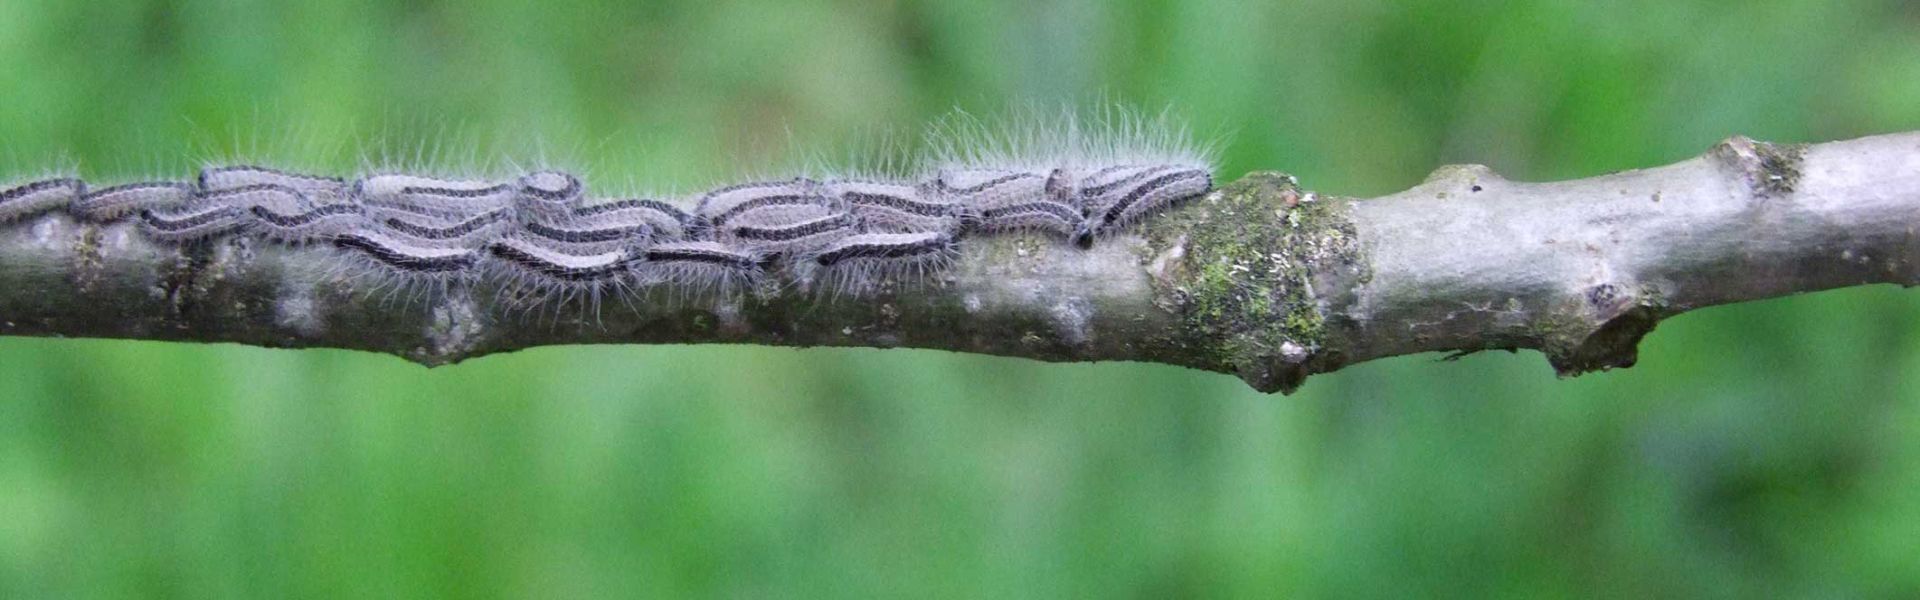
[{"x": 1253, "y": 251}]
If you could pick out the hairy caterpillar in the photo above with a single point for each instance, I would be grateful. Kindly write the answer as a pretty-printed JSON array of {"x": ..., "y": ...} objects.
[
  {"x": 317, "y": 223},
  {"x": 543, "y": 237},
  {"x": 472, "y": 232},
  {"x": 855, "y": 262},
  {"x": 216, "y": 178},
  {"x": 196, "y": 221},
  {"x": 664, "y": 221},
  {"x": 899, "y": 207},
  {"x": 33, "y": 198},
  {"x": 117, "y": 202},
  {"x": 538, "y": 275},
  {"x": 701, "y": 267}
]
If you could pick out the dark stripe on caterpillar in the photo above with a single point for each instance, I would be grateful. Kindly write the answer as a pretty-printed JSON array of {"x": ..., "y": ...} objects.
[
  {"x": 941, "y": 184},
  {"x": 888, "y": 246},
  {"x": 759, "y": 202},
  {"x": 703, "y": 252},
  {"x": 37, "y": 197},
  {"x": 394, "y": 257},
  {"x": 233, "y": 176},
  {"x": 113, "y": 203},
  {"x": 585, "y": 236},
  {"x": 455, "y": 231},
  {"x": 788, "y": 233},
  {"x": 305, "y": 218},
  {"x": 548, "y": 268}
]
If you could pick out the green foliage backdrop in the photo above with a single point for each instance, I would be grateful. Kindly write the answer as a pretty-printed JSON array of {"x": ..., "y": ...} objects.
[{"x": 1764, "y": 449}]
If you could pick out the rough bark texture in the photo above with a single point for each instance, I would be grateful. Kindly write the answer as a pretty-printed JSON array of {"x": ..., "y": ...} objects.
[{"x": 1259, "y": 278}]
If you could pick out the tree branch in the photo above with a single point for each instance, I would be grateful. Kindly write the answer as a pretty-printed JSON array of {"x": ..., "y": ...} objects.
[{"x": 1258, "y": 278}]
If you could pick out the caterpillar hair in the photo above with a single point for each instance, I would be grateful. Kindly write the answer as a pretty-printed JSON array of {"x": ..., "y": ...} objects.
[{"x": 36, "y": 197}]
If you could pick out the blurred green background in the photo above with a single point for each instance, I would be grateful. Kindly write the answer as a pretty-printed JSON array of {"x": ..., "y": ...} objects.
[{"x": 1768, "y": 449}]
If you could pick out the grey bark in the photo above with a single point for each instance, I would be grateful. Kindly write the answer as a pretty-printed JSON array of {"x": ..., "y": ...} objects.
[{"x": 1258, "y": 278}]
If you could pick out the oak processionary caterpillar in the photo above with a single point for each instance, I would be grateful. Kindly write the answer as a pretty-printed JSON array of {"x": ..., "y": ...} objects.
[{"x": 542, "y": 239}]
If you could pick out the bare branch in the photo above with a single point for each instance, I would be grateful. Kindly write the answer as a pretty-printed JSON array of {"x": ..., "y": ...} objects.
[{"x": 1257, "y": 278}]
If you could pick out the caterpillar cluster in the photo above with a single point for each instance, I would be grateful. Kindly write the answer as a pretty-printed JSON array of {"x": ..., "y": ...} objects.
[{"x": 542, "y": 236}]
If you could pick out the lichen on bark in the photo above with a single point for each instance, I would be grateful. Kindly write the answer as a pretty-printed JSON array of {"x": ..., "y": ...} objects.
[{"x": 1256, "y": 257}]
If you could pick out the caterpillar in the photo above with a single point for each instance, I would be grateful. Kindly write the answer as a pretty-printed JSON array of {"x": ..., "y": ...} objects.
[
  {"x": 533, "y": 274},
  {"x": 216, "y": 177},
  {"x": 899, "y": 207},
  {"x": 664, "y": 221},
  {"x": 544, "y": 237},
  {"x": 858, "y": 262},
  {"x": 114, "y": 203},
  {"x": 702, "y": 267},
  {"x": 315, "y": 224},
  {"x": 193, "y": 222},
  {"x": 32, "y": 198}
]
